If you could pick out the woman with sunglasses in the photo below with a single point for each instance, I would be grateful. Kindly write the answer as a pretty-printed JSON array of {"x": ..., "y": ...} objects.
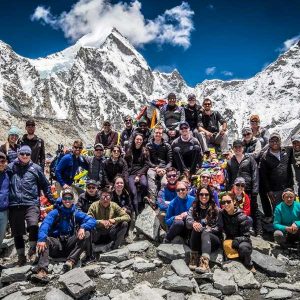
[
  {"x": 234, "y": 223},
  {"x": 241, "y": 198},
  {"x": 251, "y": 144},
  {"x": 137, "y": 161},
  {"x": 202, "y": 220},
  {"x": 120, "y": 195},
  {"x": 115, "y": 165},
  {"x": 10, "y": 148},
  {"x": 89, "y": 196}
]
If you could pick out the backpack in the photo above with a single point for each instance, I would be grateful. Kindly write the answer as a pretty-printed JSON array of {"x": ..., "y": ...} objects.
[{"x": 59, "y": 155}]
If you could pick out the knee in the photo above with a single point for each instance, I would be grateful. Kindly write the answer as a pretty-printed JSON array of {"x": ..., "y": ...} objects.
[
  {"x": 178, "y": 223},
  {"x": 245, "y": 249},
  {"x": 124, "y": 225},
  {"x": 87, "y": 235}
]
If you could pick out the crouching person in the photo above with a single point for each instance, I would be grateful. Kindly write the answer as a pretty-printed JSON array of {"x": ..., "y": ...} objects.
[
  {"x": 112, "y": 220},
  {"x": 59, "y": 237}
]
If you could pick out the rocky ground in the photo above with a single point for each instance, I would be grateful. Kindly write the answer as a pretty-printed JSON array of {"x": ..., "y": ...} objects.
[{"x": 146, "y": 269}]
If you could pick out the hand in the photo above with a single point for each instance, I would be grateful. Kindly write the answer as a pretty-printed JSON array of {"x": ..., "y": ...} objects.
[
  {"x": 105, "y": 223},
  {"x": 294, "y": 228},
  {"x": 112, "y": 221},
  {"x": 66, "y": 186},
  {"x": 289, "y": 229},
  {"x": 137, "y": 179},
  {"x": 81, "y": 233},
  {"x": 41, "y": 247},
  {"x": 197, "y": 226},
  {"x": 179, "y": 217},
  {"x": 209, "y": 134},
  {"x": 222, "y": 132},
  {"x": 183, "y": 215}
]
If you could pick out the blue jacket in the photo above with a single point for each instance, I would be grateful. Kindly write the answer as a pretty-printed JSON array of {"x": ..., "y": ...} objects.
[
  {"x": 64, "y": 221},
  {"x": 67, "y": 168},
  {"x": 26, "y": 181},
  {"x": 164, "y": 197},
  {"x": 178, "y": 206},
  {"x": 4, "y": 191}
]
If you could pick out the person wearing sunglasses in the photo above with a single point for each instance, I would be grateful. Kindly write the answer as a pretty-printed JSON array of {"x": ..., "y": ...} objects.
[
  {"x": 142, "y": 128},
  {"x": 88, "y": 197},
  {"x": 177, "y": 212},
  {"x": 11, "y": 146},
  {"x": 112, "y": 221},
  {"x": 27, "y": 179},
  {"x": 65, "y": 232},
  {"x": 235, "y": 225},
  {"x": 202, "y": 219},
  {"x": 69, "y": 165},
  {"x": 287, "y": 219},
  {"x": 205, "y": 179},
  {"x": 252, "y": 145},
  {"x": 127, "y": 132},
  {"x": 259, "y": 132}
]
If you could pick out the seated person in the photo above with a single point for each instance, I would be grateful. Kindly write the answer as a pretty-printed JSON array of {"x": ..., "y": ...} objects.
[
  {"x": 142, "y": 128},
  {"x": 177, "y": 212},
  {"x": 233, "y": 222},
  {"x": 241, "y": 198},
  {"x": 112, "y": 220},
  {"x": 205, "y": 178},
  {"x": 127, "y": 132},
  {"x": 252, "y": 145},
  {"x": 89, "y": 196},
  {"x": 205, "y": 238},
  {"x": 58, "y": 237},
  {"x": 287, "y": 219}
]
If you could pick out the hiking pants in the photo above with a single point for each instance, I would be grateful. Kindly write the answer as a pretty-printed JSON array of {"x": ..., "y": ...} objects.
[
  {"x": 152, "y": 178},
  {"x": 177, "y": 228},
  {"x": 245, "y": 250},
  {"x": 137, "y": 194},
  {"x": 282, "y": 238}
]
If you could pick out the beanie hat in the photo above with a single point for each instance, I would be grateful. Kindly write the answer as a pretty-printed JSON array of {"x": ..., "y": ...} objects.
[
  {"x": 24, "y": 149},
  {"x": 171, "y": 96},
  {"x": 13, "y": 131}
]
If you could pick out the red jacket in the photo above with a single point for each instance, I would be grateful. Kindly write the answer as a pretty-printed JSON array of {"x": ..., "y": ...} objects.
[{"x": 244, "y": 204}]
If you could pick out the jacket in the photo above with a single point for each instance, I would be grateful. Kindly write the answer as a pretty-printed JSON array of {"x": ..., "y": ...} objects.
[
  {"x": 111, "y": 169},
  {"x": 107, "y": 140},
  {"x": 67, "y": 168},
  {"x": 276, "y": 175},
  {"x": 244, "y": 204},
  {"x": 85, "y": 200},
  {"x": 4, "y": 191},
  {"x": 95, "y": 170},
  {"x": 137, "y": 161},
  {"x": 285, "y": 215},
  {"x": 171, "y": 117},
  {"x": 192, "y": 115},
  {"x": 183, "y": 145},
  {"x": 125, "y": 135},
  {"x": 247, "y": 169},
  {"x": 159, "y": 155},
  {"x": 37, "y": 146},
  {"x": 113, "y": 211},
  {"x": 164, "y": 197},
  {"x": 211, "y": 122},
  {"x": 10, "y": 151},
  {"x": 263, "y": 136},
  {"x": 26, "y": 181},
  {"x": 253, "y": 147},
  {"x": 64, "y": 221},
  {"x": 176, "y": 207},
  {"x": 124, "y": 200}
]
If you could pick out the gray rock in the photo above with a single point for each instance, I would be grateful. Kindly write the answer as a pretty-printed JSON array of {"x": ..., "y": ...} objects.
[
  {"x": 125, "y": 264},
  {"x": 7, "y": 243},
  {"x": 206, "y": 276},
  {"x": 161, "y": 292},
  {"x": 16, "y": 295},
  {"x": 77, "y": 282},
  {"x": 208, "y": 289},
  {"x": 180, "y": 267},
  {"x": 269, "y": 264},
  {"x": 169, "y": 273},
  {"x": 279, "y": 294},
  {"x": 55, "y": 294},
  {"x": 173, "y": 251},
  {"x": 140, "y": 246},
  {"x": 115, "y": 255},
  {"x": 127, "y": 274},
  {"x": 243, "y": 277},
  {"x": 234, "y": 297},
  {"x": 175, "y": 296},
  {"x": 270, "y": 285},
  {"x": 114, "y": 293},
  {"x": 263, "y": 291},
  {"x": 217, "y": 257},
  {"x": 157, "y": 262},
  {"x": 283, "y": 258},
  {"x": 124, "y": 281},
  {"x": 33, "y": 290},
  {"x": 108, "y": 276},
  {"x": 58, "y": 268},
  {"x": 176, "y": 283},
  {"x": 141, "y": 267},
  {"x": 101, "y": 298},
  {"x": 10, "y": 289},
  {"x": 109, "y": 270},
  {"x": 290, "y": 286},
  {"x": 201, "y": 297},
  {"x": 15, "y": 274},
  {"x": 195, "y": 285},
  {"x": 92, "y": 270},
  {"x": 224, "y": 282},
  {"x": 260, "y": 244},
  {"x": 148, "y": 223}
]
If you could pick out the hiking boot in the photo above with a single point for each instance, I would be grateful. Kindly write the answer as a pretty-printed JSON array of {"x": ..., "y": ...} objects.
[
  {"x": 31, "y": 256},
  {"x": 252, "y": 269},
  {"x": 21, "y": 260},
  {"x": 194, "y": 257},
  {"x": 40, "y": 277},
  {"x": 68, "y": 265},
  {"x": 203, "y": 265}
]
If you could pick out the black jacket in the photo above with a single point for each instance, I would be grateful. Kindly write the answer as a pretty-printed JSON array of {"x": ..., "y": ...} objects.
[
  {"x": 247, "y": 169},
  {"x": 159, "y": 155},
  {"x": 276, "y": 175},
  {"x": 124, "y": 200},
  {"x": 85, "y": 201},
  {"x": 111, "y": 169},
  {"x": 211, "y": 122},
  {"x": 185, "y": 146},
  {"x": 125, "y": 135},
  {"x": 137, "y": 161},
  {"x": 95, "y": 170},
  {"x": 192, "y": 115}
]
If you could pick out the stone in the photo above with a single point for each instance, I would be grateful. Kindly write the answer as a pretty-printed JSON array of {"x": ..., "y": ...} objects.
[
  {"x": 283, "y": 258},
  {"x": 140, "y": 246},
  {"x": 260, "y": 244},
  {"x": 141, "y": 291},
  {"x": 169, "y": 273},
  {"x": 208, "y": 289},
  {"x": 148, "y": 223},
  {"x": 180, "y": 267},
  {"x": 268, "y": 264},
  {"x": 92, "y": 270},
  {"x": 161, "y": 292},
  {"x": 201, "y": 297},
  {"x": 217, "y": 257},
  {"x": 127, "y": 274},
  {"x": 55, "y": 294},
  {"x": 195, "y": 285},
  {"x": 157, "y": 262},
  {"x": 33, "y": 290},
  {"x": 58, "y": 268},
  {"x": 243, "y": 277},
  {"x": 205, "y": 276},
  {"x": 176, "y": 283},
  {"x": 263, "y": 291},
  {"x": 77, "y": 282},
  {"x": 279, "y": 294},
  {"x": 7, "y": 243},
  {"x": 114, "y": 293},
  {"x": 138, "y": 259},
  {"x": 175, "y": 296},
  {"x": 270, "y": 285},
  {"x": 15, "y": 274},
  {"x": 109, "y": 270},
  {"x": 173, "y": 251},
  {"x": 141, "y": 267},
  {"x": 10, "y": 289},
  {"x": 125, "y": 264},
  {"x": 17, "y": 295},
  {"x": 124, "y": 281},
  {"x": 224, "y": 282},
  {"x": 108, "y": 276},
  {"x": 295, "y": 287},
  {"x": 117, "y": 255},
  {"x": 234, "y": 297}
]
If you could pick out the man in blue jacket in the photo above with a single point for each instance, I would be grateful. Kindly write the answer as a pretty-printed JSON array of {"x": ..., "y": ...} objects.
[
  {"x": 27, "y": 179},
  {"x": 65, "y": 232}
]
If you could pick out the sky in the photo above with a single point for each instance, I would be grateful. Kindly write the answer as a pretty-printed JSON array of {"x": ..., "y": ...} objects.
[{"x": 202, "y": 39}]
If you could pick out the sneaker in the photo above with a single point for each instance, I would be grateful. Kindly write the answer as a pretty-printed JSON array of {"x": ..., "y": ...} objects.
[
  {"x": 40, "y": 277},
  {"x": 68, "y": 266},
  {"x": 21, "y": 260},
  {"x": 203, "y": 265}
]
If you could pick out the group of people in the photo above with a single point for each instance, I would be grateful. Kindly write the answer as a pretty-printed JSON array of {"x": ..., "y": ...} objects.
[{"x": 156, "y": 166}]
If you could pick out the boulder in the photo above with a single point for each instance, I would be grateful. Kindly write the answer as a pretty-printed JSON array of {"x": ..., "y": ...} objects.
[
  {"x": 15, "y": 274},
  {"x": 208, "y": 289},
  {"x": 10, "y": 289},
  {"x": 176, "y": 283},
  {"x": 108, "y": 276},
  {"x": 127, "y": 274},
  {"x": 77, "y": 282},
  {"x": 180, "y": 267},
  {"x": 141, "y": 267},
  {"x": 279, "y": 294},
  {"x": 117, "y": 255},
  {"x": 17, "y": 295},
  {"x": 201, "y": 297},
  {"x": 33, "y": 290},
  {"x": 173, "y": 251},
  {"x": 92, "y": 270},
  {"x": 234, "y": 297},
  {"x": 55, "y": 294},
  {"x": 224, "y": 282},
  {"x": 270, "y": 285},
  {"x": 261, "y": 245},
  {"x": 148, "y": 223},
  {"x": 175, "y": 296},
  {"x": 140, "y": 246},
  {"x": 125, "y": 264},
  {"x": 290, "y": 286}
]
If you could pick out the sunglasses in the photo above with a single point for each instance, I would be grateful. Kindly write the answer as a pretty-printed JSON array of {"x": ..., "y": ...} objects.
[
  {"x": 225, "y": 202},
  {"x": 274, "y": 141},
  {"x": 70, "y": 198},
  {"x": 207, "y": 104},
  {"x": 128, "y": 121},
  {"x": 24, "y": 154},
  {"x": 192, "y": 99},
  {"x": 180, "y": 190},
  {"x": 105, "y": 197},
  {"x": 91, "y": 187},
  {"x": 239, "y": 185},
  {"x": 77, "y": 148},
  {"x": 207, "y": 177},
  {"x": 171, "y": 175},
  {"x": 204, "y": 194},
  {"x": 246, "y": 134},
  {"x": 254, "y": 122},
  {"x": 182, "y": 128},
  {"x": 98, "y": 149},
  {"x": 106, "y": 125},
  {"x": 116, "y": 151}
]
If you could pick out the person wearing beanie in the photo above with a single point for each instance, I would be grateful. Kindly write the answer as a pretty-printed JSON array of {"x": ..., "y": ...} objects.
[
  {"x": 296, "y": 158},
  {"x": 36, "y": 144},
  {"x": 142, "y": 128},
  {"x": 10, "y": 147},
  {"x": 252, "y": 145},
  {"x": 27, "y": 179},
  {"x": 259, "y": 132}
]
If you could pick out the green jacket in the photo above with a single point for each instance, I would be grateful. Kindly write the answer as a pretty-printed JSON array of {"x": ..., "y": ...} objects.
[
  {"x": 285, "y": 215},
  {"x": 113, "y": 211}
]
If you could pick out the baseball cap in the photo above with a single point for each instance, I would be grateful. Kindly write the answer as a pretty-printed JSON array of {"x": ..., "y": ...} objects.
[
  {"x": 30, "y": 122},
  {"x": 2, "y": 155},
  {"x": 239, "y": 180},
  {"x": 91, "y": 182},
  {"x": 67, "y": 192},
  {"x": 246, "y": 130},
  {"x": 98, "y": 146},
  {"x": 191, "y": 96},
  {"x": 275, "y": 135},
  {"x": 296, "y": 138},
  {"x": 237, "y": 143},
  {"x": 184, "y": 123}
]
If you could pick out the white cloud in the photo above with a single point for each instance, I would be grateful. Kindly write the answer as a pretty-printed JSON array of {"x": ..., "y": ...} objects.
[
  {"x": 210, "y": 70},
  {"x": 289, "y": 43},
  {"x": 92, "y": 20},
  {"x": 227, "y": 73}
]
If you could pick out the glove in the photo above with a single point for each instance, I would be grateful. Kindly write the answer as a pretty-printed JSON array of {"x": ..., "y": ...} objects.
[{"x": 235, "y": 244}]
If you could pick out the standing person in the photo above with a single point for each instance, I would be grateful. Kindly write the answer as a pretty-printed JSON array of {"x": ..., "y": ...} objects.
[
  {"x": 275, "y": 173},
  {"x": 11, "y": 146},
  {"x": 26, "y": 181},
  {"x": 259, "y": 132},
  {"x": 107, "y": 137},
  {"x": 186, "y": 151},
  {"x": 202, "y": 220},
  {"x": 127, "y": 132},
  {"x": 296, "y": 159},
  {"x": 142, "y": 128},
  {"x": 35, "y": 143},
  {"x": 209, "y": 122},
  {"x": 88, "y": 197},
  {"x": 252, "y": 145}
]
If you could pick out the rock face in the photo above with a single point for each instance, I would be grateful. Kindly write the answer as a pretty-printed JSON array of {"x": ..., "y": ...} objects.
[
  {"x": 224, "y": 282},
  {"x": 173, "y": 251}
]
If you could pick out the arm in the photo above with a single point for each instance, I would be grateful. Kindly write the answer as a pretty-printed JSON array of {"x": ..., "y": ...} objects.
[
  {"x": 264, "y": 174},
  {"x": 170, "y": 216},
  {"x": 46, "y": 225},
  {"x": 161, "y": 200},
  {"x": 222, "y": 121},
  {"x": 98, "y": 139},
  {"x": 277, "y": 223},
  {"x": 92, "y": 212},
  {"x": 246, "y": 208},
  {"x": 86, "y": 222},
  {"x": 45, "y": 186},
  {"x": 125, "y": 170},
  {"x": 244, "y": 231},
  {"x": 63, "y": 163},
  {"x": 162, "y": 118},
  {"x": 169, "y": 156},
  {"x": 114, "y": 140},
  {"x": 254, "y": 176},
  {"x": 120, "y": 214}
]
